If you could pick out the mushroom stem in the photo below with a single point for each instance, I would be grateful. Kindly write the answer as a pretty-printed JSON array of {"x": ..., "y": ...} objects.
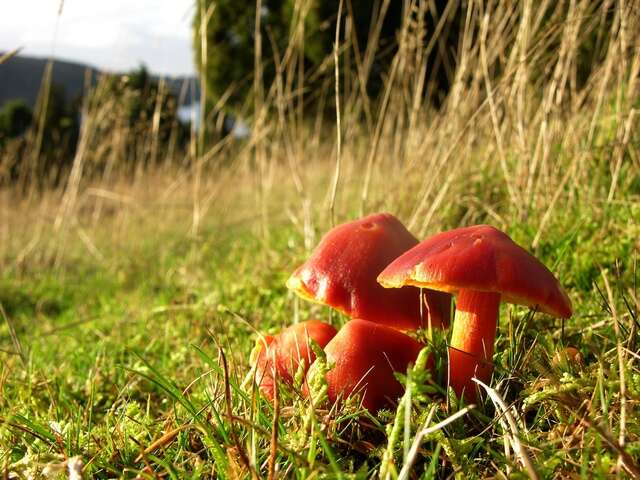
[{"x": 471, "y": 347}]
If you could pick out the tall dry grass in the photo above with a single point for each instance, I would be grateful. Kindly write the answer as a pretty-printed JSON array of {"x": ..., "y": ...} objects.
[{"x": 541, "y": 116}]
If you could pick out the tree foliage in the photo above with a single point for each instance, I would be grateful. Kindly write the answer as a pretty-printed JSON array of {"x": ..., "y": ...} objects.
[
  {"x": 137, "y": 112},
  {"x": 15, "y": 118},
  {"x": 229, "y": 27}
]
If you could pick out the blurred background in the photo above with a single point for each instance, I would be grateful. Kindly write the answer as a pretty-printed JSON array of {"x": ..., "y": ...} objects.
[
  {"x": 303, "y": 112},
  {"x": 61, "y": 61},
  {"x": 61, "y": 49}
]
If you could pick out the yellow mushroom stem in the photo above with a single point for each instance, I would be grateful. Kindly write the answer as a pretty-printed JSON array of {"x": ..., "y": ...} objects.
[{"x": 472, "y": 338}]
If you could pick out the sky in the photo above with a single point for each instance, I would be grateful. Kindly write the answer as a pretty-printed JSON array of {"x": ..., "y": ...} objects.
[{"x": 115, "y": 35}]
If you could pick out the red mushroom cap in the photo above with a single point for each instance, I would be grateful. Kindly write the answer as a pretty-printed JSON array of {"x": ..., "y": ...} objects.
[
  {"x": 366, "y": 355},
  {"x": 288, "y": 348},
  {"x": 342, "y": 273},
  {"x": 479, "y": 258}
]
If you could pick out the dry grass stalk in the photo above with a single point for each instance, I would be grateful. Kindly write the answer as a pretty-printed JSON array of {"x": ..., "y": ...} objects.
[
  {"x": 508, "y": 424},
  {"x": 425, "y": 431}
]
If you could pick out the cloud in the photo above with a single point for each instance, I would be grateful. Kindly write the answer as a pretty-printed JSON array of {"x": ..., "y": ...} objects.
[{"x": 114, "y": 35}]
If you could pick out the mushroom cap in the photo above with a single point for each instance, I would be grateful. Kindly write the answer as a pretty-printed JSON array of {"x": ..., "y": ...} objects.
[
  {"x": 365, "y": 357},
  {"x": 343, "y": 268},
  {"x": 480, "y": 258},
  {"x": 288, "y": 348}
]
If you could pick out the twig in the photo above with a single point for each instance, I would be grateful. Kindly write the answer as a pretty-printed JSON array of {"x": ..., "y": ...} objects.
[{"x": 163, "y": 440}]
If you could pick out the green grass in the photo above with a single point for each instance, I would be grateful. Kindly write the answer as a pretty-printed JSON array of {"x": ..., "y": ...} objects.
[{"x": 118, "y": 353}]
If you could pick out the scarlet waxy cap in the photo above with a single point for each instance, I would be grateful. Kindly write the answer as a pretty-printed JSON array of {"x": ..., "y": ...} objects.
[
  {"x": 288, "y": 348},
  {"x": 342, "y": 273},
  {"x": 366, "y": 355},
  {"x": 480, "y": 258}
]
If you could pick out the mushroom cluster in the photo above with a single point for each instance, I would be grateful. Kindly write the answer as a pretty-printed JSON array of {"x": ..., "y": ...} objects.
[{"x": 377, "y": 273}]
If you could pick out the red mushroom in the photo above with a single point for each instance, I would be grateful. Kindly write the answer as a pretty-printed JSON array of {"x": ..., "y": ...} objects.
[
  {"x": 288, "y": 349},
  {"x": 365, "y": 356},
  {"x": 483, "y": 266},
  {"x": 342, "y": 273}
]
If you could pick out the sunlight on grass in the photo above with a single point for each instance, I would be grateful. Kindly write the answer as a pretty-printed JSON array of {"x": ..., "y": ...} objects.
[{"x": 127, "y": 284}]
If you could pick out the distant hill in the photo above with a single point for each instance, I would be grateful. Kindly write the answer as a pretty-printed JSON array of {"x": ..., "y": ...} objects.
[{"x": 21, "y": 76}]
